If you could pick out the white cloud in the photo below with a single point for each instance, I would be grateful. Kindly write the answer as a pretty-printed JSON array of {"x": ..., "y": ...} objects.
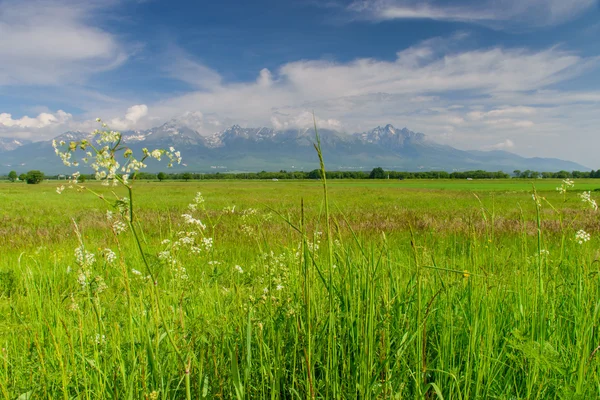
[
  {"x": 420, "y": 74},
  {"x": 488, "y": 70},
  {"x": 495, "y": 13},
  {"x": 43, "y": 120},
  {"x": 304, "y": 120},
  {"x": 132, "y": 117},
  {"x": 52, "y": 42},
  {"x": 507, "y": 144},
  {"x": 134, "y": 113}
]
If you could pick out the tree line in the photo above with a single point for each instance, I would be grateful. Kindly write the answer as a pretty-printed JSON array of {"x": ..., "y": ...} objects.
[{"x": 376, "y": 173}]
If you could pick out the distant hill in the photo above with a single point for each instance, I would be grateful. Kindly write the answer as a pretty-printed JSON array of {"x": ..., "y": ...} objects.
[{"x": 256, "y": 149}]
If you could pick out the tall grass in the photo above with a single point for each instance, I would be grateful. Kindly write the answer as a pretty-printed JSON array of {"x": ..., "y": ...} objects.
[{"x": 303, "y": 302}]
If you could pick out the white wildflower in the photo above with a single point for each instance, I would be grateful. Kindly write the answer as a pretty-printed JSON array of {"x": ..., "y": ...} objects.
[
  {"x": 82, "y": 279},
  {"x": 586, "y": 197},
  {"x": 582, "y": 236},
  {"x": 181, "y": 273},
  {"x": 566, "y": 184},
  {"x": 195, "y": 250},
  {"x": 193, "y": 221},
  {"x": 208, "y": 243},
  {"x": 156, "y": 154},
  {"x": 239, "y": 269},
  {"x": 110, "y": 256},
  {"x": 84, "y": 258},
  {"x": 119, "y": 227}
]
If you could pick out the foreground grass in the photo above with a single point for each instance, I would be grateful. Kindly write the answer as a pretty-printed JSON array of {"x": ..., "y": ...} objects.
[{"x": 424, "y": 291}]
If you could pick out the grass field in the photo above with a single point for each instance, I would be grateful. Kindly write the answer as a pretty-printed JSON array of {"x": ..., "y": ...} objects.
[{"x": 410, "y": 289}]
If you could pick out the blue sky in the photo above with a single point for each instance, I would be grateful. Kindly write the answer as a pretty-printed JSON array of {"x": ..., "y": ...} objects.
[{"x": 518, "y": 75}]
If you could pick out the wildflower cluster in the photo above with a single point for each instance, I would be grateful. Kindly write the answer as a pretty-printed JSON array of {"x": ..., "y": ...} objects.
[
  {"x": 186, "y": 241},
  {"x": 100, "y": 153},
  {"x": 85, "y": 275},
  {"x": 586, "y": 197},
  {"x": 198, "y": 202},
  {"x": 229, "y": 210},
  {"x": 274, "y": 281},
  {"x": 117, "y": 225},
  {"x": 566, "y": 184},
  {"x": 582, "y": 236}
]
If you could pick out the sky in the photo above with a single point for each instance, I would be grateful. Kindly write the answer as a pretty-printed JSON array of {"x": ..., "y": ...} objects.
[{"x": 515, "y": 75}]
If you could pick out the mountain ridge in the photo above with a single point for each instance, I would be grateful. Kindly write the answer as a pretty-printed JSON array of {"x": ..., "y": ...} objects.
[{"x": 262, "y": 148}]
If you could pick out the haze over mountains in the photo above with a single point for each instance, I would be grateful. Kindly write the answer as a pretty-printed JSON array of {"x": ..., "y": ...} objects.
[{"x": 255, "y": 149}]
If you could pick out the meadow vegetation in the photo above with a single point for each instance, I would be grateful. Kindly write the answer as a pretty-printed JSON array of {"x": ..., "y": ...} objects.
[{"x": 300, "y": 290}]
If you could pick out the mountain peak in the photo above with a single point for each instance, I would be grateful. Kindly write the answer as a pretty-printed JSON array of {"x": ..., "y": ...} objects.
[{"x": 8, "y": 144}]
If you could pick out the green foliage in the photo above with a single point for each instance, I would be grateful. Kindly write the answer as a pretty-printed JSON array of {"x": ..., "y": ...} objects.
[
  {"x": 186, "y": 176},
  {"x": 7, "y": 283},
  {"x": 34, "y": 177},
  {"x": 161, "y": 176},
  {"x": 377, "y": 173},
  {"x": 12, "y": 176},
  {"x": 22, "y": 177}
]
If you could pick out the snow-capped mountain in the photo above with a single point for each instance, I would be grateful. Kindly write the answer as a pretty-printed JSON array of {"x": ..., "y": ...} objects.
[
  {"x": 239, "y": 148},
  {"x": 390, "y": 136},
  {"x": 7, "y": 144}
]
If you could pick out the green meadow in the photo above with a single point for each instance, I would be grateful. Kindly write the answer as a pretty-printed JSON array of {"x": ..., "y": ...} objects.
[{"x": 379, "y": 289}]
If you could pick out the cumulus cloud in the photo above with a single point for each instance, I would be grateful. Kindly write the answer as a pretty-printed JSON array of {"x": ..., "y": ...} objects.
[
  {"x": 52, "y": 42},
  {"x": 494, "y": 13},
  {"x": 133, "y": 115},
  {"x": 43, "y": 120},
  {"x": 40, "y": 127}
]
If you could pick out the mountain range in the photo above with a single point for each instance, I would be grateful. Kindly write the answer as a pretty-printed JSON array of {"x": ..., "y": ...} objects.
[{"x": 255, "y": 149}]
